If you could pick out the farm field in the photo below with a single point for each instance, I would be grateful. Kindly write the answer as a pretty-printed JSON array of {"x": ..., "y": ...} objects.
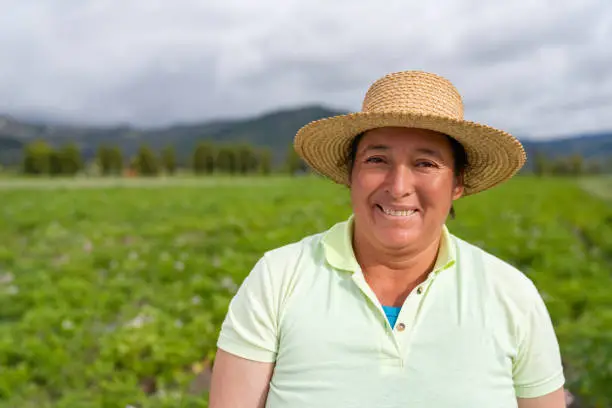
[
  {"x": 112, "y": 293},
  {"x": 598, "y": 186}
]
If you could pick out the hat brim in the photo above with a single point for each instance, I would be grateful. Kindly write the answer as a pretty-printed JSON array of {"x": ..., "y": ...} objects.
[{"x": 494, "y": 156}]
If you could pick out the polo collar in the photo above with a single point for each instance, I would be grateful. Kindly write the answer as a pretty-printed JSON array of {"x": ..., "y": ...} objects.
[{"x": 339, "y": 253}]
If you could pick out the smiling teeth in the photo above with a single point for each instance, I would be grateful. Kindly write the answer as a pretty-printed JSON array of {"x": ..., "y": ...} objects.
[{"x": 398, "y": 213}]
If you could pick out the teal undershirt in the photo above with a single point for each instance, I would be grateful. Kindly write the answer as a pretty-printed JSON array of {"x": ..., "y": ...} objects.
[{"x": 392, "y": 313}]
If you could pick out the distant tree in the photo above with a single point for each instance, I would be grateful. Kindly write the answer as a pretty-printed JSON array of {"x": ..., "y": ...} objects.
[
  {"x": 576, "y": 164},
  {"x": 227, "y": 159},
  {"x": 265, "y": 161},
  {"x": 70, "y": 159},
  {"x": 254, "y": 160},
  {"x": 541, "y": 165},
  {"x": 110, "y": 160},
  {"x": 562, "y": 166},
  {"x": 169, "y": 159},
  {"x": 56, "y": 163},
  {"x": 116, "y": 160},
  {"x": 573, "y": 165},
  {"x": 37, "y": 158},
  {"x": 203, "y": 161},
  {"x": 145, "y": 162},
  {"x": 246, "y": 158},
  {"x": 243, "y": 156},
  {"x": 294, "y": 162},
  {"x": 104, "y": 159}
]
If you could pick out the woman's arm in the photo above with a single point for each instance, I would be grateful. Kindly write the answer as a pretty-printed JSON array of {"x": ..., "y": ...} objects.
[{"x": 238, "y": 382}]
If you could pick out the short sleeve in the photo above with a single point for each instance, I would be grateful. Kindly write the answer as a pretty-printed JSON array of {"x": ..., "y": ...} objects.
[
  {"x": 249, "y": 329},
  {"x": 538, "y": 367}
]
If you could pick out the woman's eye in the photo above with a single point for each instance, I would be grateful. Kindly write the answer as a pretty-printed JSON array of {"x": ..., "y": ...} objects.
[
  {"x": 426, "y": 164},
  {"x": 373, "y": 160}
]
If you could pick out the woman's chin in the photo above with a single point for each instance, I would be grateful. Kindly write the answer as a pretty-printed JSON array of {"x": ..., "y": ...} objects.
[{"x": 397, "y": 239}]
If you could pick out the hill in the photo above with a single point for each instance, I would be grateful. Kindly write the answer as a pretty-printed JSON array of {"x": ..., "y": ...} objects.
[
  {"x": 594, "y": 146},
  {"x": 274, "y": 130}
]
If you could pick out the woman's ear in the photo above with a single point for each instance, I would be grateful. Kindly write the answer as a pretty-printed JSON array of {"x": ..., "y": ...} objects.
[{"x": 458, "y": 188}]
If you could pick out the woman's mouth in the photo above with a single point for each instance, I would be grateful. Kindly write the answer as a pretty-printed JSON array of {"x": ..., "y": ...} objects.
[{"x": 397, "y": 212}]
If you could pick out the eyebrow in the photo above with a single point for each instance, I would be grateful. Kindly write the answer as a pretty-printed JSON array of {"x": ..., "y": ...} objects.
[
  {"x": 422, "y": 150},
  {"x": 375, "y": 147}
]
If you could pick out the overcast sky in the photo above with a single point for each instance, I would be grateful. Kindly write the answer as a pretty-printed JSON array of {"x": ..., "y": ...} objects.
[{"x": 538, "y": 68}]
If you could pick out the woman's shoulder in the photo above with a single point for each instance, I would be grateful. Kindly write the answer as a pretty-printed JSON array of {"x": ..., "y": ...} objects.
[
  {"x": 303, "y": 249},
  {"x": 284, "y": 264},
  {"x": 497, "y": 272}
]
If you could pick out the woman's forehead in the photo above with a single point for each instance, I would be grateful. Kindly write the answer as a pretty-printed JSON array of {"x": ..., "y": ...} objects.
[{"x": 403, "y": 138}]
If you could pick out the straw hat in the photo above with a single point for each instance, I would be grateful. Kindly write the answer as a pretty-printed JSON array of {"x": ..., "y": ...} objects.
[{"x": 412, "y": 99}]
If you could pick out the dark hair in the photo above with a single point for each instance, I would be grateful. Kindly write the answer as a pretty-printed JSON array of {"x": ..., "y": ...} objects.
[{"x": 459, "y": 157}]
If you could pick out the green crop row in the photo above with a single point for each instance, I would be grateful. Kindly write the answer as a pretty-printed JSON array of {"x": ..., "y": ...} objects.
[{"x": 113, "y": 297}]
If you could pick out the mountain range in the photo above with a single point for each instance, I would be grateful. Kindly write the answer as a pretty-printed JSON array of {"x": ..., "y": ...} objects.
[{"x": 274, "y": 130}]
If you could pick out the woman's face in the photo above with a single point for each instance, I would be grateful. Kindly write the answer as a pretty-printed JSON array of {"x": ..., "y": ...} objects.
[{"x": 402, "y": 187}]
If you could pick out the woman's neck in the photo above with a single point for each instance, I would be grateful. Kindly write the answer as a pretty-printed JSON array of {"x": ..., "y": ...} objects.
[{"x": 393, "y": 274}]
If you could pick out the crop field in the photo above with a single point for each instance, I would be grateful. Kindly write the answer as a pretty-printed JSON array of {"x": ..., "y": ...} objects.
[{"x": 112, "y": 294}]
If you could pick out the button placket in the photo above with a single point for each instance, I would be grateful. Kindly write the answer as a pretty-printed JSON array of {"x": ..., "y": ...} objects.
[{"x": 408, "y": 315}]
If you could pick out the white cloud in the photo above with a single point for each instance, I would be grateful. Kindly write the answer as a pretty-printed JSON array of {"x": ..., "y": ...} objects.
[{"x": 537, "y": 68}]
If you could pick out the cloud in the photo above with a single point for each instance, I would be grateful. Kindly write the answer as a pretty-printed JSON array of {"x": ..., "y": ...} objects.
[{"x": 538, "y": 69}]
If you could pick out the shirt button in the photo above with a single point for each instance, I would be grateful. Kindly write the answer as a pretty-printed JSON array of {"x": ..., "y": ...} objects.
[
  {"x": 419, "y": 290},
  {"x": 401, "y": 327}
]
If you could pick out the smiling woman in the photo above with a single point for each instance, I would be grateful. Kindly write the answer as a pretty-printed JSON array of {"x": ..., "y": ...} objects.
[
  {"x": 389, "y": 308},
  {"x": 402, "y": 186}
]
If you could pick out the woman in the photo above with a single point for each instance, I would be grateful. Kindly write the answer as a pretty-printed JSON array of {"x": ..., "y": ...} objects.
[{"x": 389, "y": 308}]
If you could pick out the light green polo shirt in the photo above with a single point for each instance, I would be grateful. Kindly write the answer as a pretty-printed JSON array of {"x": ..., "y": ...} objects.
[{"x": 476, "y": 333}]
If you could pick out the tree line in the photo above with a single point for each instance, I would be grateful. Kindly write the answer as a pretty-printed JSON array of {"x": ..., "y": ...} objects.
[
  {"x": 571, "y": 165},
  {"x": 207, "y": 158}
]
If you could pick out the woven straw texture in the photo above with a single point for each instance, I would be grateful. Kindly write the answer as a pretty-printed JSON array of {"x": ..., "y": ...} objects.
[{"x": 420, "y": 100}]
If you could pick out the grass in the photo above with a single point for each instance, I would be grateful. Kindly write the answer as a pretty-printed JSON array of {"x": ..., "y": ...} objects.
[
  {"x": 112, "y": 292},
  {"x": 153, "y": 182}
]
